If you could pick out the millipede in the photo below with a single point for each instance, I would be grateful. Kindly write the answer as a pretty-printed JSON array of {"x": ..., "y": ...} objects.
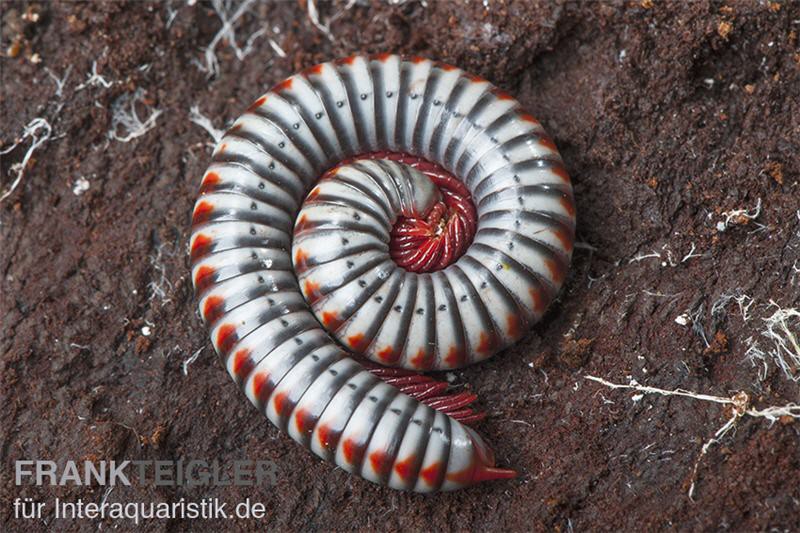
[{"x": 367, "y": 220}]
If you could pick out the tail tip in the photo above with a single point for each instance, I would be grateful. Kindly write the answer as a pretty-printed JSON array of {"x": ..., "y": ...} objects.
[{"x": 490, "y": 473}]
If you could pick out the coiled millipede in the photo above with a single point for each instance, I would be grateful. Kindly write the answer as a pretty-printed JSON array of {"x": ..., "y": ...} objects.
[{"x": 399, "y": 260}]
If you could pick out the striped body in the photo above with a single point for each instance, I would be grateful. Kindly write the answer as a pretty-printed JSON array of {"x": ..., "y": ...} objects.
[{"x": 251, "y": 214}]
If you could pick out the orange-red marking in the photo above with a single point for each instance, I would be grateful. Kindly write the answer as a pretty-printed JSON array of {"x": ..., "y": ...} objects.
[
  {"x": 202, "y": 212},
  {"x": 300, "y": 261},
  {"x": 431, "y": 474},
  {"x": 356, "y": 342},
  {"x": 281, "y": 403},
  {"x": 311, "y": 291},
  {"x": 330, "y": 319},
  {"x": 316, "y": 69},
  {"x": 403, "y": 468},
  {"x": 260, "y": 380},
  {"x": 386, "y": 354},
  {"x": 324, "y": 435},
  {"x": 302, "y": 224},
  {"x": 258, "y": 103},
  {"x": 527, "y": 117},
  {"x": 242, "y": 364},
  {"x": 564, "y": 238},
  {"x": 226, "y": 337},
  {"x": 283, "y": 86},
  {"x": 204, "y": 277},
  {"x": 455, "y": 356},
  {"x": 423, "y": 360},
  {"x": 213, "y": 308},
  {"x": 379, "y": 461},
  {"x": 561, "y": 172},
  {"x": 346, "y": 60},
  {"x": 547, "y": 142},
  {"x": 462, "y": 477},
  {"x": 501, "y": 94},
  {"x": 566, "y": 203},
  {"x": 539, "y": 303},
  {"x": 212, "y": 178},
  {"x": 200, "y": 246},
  {"x": 304, "y": 421},
  {"x": 556, "y": 272},
  {"x": 351, "y": 450},
  {"x": 487, "y": 342},
  {"x": 513, "y": 326}
]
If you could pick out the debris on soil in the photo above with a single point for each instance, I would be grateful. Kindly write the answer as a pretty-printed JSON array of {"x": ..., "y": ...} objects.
[
  {"x": 719, "y": 344},
  {"x": 575, "y": 352}
]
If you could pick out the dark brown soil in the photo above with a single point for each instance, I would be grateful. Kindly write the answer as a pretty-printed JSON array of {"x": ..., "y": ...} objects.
[{"x": 667, "y": 115}]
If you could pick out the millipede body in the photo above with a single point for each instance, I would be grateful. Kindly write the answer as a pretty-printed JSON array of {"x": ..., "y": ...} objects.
[{"x": 398, "y": 209}]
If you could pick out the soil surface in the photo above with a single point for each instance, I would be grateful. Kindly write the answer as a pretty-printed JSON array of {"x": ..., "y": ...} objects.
[{"x": 680, "y": 126}]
